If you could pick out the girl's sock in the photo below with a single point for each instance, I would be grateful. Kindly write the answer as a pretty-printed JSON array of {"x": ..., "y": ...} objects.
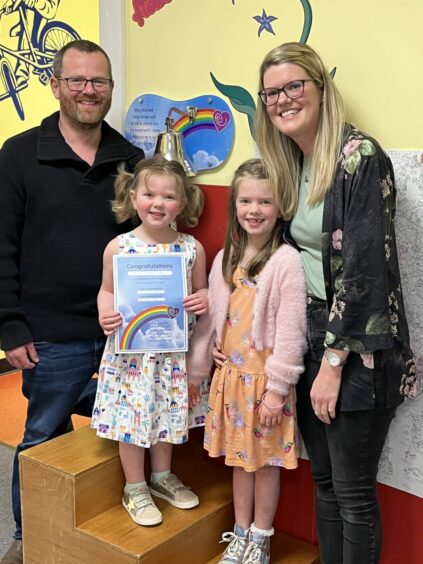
[
  {"x": 157, "y": 476},
  {"x": 131, "y": 487},
  {"x": 263, "y": 532},
  {"x": 240, "y": 532}
]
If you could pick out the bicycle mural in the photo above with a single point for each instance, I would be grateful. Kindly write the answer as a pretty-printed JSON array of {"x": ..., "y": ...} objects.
[{"x": 39, "y": 37}]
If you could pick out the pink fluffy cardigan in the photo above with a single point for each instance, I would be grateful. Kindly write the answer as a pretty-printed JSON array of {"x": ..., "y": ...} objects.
[{"x": 279, "y": 320}]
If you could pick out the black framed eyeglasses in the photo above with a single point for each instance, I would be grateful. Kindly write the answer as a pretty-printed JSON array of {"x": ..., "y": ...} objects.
[
  {"x": 292, "y": 90},
  {"x": 79, "y": 84}
]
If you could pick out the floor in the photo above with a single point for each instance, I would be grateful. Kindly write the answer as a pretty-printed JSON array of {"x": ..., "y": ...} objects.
[{"x": 12, "y": 422}]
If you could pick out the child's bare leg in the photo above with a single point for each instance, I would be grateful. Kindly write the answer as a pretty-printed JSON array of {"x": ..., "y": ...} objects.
[
  {"x": 161, "y": 457},
  {"x": 132, "y": 459},
  {"x": 166, "y": 485},
  {"x": 136, "y": 495},
  {"x": 266, "y": 496},
  {"x": 243, "y": 492}
]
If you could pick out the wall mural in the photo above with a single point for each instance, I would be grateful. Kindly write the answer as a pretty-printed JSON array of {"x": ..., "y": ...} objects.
[
  {"x": 146, "y": 8},
  {"x": 204, "y": 123},
  {"x": 38, "y": 37},
  {"x": 239, "y": 97},
  {"x": 401, "y": 464}
]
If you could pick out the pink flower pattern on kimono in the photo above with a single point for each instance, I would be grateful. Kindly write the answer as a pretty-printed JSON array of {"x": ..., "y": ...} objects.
[
  {"x": 351, "y": 146},
  {"x": 337, "y": 239}
]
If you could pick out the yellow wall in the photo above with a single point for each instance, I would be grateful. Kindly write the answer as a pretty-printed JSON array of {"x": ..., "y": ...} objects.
[
  {"x": 37, "y": 99},
  {"x": 376, "y": 45}
]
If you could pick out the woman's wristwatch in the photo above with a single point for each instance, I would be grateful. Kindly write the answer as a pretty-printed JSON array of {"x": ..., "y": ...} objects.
[{"x": 333, "y": 359}]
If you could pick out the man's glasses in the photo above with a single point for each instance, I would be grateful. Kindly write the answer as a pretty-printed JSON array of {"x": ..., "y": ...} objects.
[
  {"x": 292, "y": 90},
  {"x": 79, "y": 84}
]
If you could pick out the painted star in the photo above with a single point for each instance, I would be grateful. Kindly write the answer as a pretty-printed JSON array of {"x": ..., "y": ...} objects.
[
  {"x": 265, "y": 22},
  {"x": 131, "y": 504}
]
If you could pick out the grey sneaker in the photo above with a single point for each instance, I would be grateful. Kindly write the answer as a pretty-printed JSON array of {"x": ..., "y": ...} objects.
[
  {"x": 175, "y": 492},
  {"x": 141, "y": 507},
  {"x": 258, "y": 550},
  {"x": 235, "y": 550}
]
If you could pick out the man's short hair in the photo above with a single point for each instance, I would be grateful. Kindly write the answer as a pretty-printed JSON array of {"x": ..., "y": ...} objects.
[{"x": 84, "y": 45}]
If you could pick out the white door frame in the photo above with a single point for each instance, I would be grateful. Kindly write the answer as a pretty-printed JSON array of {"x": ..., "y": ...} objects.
[{"x": 112, "y": 40}]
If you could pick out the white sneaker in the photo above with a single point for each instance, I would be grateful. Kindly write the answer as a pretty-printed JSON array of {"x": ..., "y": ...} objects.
[{"x": 141, "y": 507}]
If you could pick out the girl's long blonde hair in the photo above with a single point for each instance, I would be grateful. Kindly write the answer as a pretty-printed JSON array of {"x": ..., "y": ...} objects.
[
  {"x": 236, "y": 237},
  {"x": 281, "y": 154},
  {"x": 190, "y": 195}
]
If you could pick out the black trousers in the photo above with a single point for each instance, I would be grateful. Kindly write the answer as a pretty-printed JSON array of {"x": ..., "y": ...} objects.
[{"x": 344, "y": 459}]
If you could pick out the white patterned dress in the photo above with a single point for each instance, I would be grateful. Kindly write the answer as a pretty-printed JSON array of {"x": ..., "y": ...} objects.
[{"x": 143, "y": 398}]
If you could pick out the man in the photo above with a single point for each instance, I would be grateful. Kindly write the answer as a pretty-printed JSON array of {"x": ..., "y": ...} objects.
[{"x": 55, "y": 220}]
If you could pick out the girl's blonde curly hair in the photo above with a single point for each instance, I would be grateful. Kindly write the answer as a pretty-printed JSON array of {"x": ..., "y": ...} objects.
[{"x": 190, "y": 195}]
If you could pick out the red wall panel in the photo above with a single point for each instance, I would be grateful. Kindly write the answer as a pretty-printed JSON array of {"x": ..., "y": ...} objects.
[{"x": 402, "y": 513}]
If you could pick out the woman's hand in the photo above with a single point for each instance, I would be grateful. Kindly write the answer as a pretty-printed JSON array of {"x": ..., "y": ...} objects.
[
  {"x": 110, "y": 321},
  {"x": 193, "y": 395},
  {"x": 198, "y": 302},
  {"x": 218, "y": 357},
  {"x": 270, "y": 410},
  {"x": 324, "y": 392}
]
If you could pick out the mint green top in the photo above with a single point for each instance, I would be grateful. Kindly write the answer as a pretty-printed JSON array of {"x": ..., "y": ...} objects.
[{"x": 306, "y": 230}]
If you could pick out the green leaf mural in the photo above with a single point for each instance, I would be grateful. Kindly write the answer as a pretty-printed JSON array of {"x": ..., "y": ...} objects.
[
  {"x": 240, "y": 99},
  {"x": 308, "y": 20}
]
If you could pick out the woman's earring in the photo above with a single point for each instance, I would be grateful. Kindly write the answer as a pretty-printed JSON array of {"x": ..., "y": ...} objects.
[{"x": 174, "y": 225}]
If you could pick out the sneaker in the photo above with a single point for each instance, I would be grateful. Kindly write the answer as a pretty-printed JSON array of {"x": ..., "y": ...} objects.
[
  {"x": 235, "y": 550},
  {"x": 175, "y": 492},
  {"x": 258, "y": 550},
  {"x": 141, "y": 507}
]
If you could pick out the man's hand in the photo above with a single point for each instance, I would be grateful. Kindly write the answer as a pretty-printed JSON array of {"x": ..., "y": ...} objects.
[
  {"x": 23, "y": 358},
  {"x": 110, "y": 321}
]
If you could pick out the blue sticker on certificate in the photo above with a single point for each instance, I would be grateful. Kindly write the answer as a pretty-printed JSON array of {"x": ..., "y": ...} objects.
[{"x": 149, "y": 292}]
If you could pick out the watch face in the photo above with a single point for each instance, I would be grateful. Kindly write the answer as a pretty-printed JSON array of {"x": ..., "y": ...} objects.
[{"x": 333, "y": 358}]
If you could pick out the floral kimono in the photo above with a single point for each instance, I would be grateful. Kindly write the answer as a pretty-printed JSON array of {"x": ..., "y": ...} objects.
[{"x": 362, "y": 277}]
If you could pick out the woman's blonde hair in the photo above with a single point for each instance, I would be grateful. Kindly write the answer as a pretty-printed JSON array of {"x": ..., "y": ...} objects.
[
  {"x": 191, "y": 196},
  {"x": 281, "y": 154},
  {"x": 236, "y": 237}
]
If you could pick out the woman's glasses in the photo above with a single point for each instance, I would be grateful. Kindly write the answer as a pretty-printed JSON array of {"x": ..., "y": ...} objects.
[{"x": 292, "y": 90}]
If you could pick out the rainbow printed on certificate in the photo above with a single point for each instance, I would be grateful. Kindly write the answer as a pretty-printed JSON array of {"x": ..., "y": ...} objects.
[{"x": 149, "y": 291}]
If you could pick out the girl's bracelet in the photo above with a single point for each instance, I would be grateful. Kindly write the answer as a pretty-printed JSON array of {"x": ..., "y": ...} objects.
[{"x": 271, "y": 407}]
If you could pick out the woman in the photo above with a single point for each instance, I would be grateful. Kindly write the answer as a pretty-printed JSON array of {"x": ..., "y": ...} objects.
[{"x": 339, "y": 187}]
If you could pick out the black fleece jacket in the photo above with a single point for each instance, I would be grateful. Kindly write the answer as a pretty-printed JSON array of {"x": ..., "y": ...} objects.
[{"x": 55, "y": 221}]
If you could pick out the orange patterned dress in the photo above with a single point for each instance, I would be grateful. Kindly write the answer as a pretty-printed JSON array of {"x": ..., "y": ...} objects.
[{"x": 232, "y": 426}]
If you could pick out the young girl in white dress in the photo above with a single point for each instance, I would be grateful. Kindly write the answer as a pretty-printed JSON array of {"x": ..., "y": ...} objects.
[{"x": 142, "y": 399}]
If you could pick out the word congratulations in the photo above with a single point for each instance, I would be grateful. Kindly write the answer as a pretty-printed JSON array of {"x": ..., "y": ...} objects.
[{"x": 146, "y": 8}]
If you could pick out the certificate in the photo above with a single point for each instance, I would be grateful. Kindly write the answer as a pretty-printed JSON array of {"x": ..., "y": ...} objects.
[{"x": 149, "y": 291}]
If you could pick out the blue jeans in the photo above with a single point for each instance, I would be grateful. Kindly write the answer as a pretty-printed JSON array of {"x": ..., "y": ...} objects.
[
  {"x": 60, "y": 384},
  {"x": 344, "y": 459}
]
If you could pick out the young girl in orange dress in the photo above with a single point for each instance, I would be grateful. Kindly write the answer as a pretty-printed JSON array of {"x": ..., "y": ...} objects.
[{"x": 255, "y": 333}]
